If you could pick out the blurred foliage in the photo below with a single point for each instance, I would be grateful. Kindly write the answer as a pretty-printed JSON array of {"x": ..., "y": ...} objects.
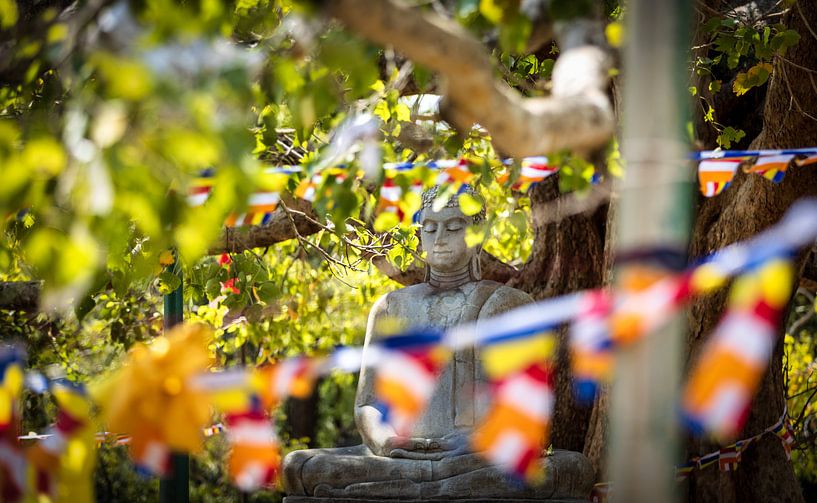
[{"x": 800, "y": 373}]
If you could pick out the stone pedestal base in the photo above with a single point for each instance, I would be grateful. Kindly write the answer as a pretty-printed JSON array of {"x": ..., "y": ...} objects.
[
  {"x": 311, "y": 499},
  {"x": 353, "y": 474}
]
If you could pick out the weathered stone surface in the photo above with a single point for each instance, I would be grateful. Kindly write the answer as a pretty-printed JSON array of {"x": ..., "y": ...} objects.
[
  {"x": 311, "y": 499},
  {"x": 354, "y": 473},
  {"x": 434, "y": 464}
]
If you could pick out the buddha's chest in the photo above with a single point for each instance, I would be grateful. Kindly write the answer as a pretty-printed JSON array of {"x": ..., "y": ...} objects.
[{"x": 442, "y": 309}]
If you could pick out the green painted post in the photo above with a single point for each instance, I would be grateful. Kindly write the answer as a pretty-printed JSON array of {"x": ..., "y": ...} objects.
[
  {"x": 176, "y": 486},
  {"x": 653, "y": 211}
]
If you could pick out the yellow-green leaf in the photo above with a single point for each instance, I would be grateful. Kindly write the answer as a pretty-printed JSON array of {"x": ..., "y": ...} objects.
[
  {"x": 44, "y": 155},
  {"x": 469, "y": 204},
  {"x": 385, "y": 221},
  {"x": 474, "y": 236},
  {"x": 402, "y": 112},
  {"x": 754, "y": 77},
  {"x": 615, "y": 34},
  {"x": 8, "y": 13},
  {"x": 491, "y": 11}
]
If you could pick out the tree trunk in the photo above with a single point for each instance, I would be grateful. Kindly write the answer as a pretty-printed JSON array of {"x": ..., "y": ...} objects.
[
  {"x": 748, "y": 206},
  {"x": 569, "y": 254}
]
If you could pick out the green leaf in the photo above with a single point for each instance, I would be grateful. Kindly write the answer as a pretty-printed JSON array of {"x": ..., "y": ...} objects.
[
  {"x": 729, "y": 135},
  {"x": 469, "y": 204},
  {"x": 711, "y": 25},
  {"x": 491, "y": 11},
  {"x": 8, "y": 13},
  {"x": 615, "y": 34},
  {"x": 784, "y": 40},
  {"x": 514, "y": 33},
  {"x": 167, "y": 282},
  {"x": 381, "y": 109},
  {"x": 710, "y": 114},
  {"x": 385, "y": 221},
  {"x": 754, "y": 77},
  {"x": 546, "y": 68},
  {"x": 474, "y": 235},
  {"x": 402, "y": 112}
]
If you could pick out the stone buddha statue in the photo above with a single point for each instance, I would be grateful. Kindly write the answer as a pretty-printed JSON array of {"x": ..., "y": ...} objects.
[{"x": 434, "y": 463}]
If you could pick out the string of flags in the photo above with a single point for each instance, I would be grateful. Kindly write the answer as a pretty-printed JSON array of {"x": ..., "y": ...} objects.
[
  {"x": 163, "y": 397},
  {"x": 727, "y": 458},
  {"x": 717, "y": 168},
  {"x": 399, "y": 179}
]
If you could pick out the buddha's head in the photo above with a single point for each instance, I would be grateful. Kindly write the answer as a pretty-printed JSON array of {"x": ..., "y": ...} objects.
[{"x": 443, "y": 235}]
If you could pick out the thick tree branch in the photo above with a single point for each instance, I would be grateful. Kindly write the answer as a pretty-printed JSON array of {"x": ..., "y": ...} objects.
[
  {"x": 577, "y": 116},
  {"x": 279, "y": 228}
]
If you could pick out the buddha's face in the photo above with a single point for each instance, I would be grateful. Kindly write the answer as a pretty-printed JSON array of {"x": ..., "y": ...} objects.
[{"x": 443, "y": 239}]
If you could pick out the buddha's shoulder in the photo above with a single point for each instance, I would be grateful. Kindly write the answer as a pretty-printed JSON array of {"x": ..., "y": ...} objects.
[
  {"x": 502, "y": 298},
  {"x": 401, "y": 296},
  {"x": 420, "y": 289}
]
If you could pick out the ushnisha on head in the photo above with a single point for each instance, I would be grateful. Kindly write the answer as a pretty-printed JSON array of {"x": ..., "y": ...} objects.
[{"x": 449, "y": 260}]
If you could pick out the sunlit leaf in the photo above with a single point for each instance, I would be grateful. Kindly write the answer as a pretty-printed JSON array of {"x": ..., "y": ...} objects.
[
  {"x": 385, "y": 221},
  {"x": 469, "y": 204}
]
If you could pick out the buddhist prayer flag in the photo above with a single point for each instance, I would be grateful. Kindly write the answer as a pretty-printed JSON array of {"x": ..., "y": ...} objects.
[
  {"x": 254, "y": 457},
  {"x": 786, "y": 435},
  {"x": 683, "y": 471},
  {"x": 721, "y": 386},
  {"x": 391, "y": 195},
  {"x": 308, "y": 187},
  {"x": 807, "y": 161},
  {"x": 64, "y": 459},
  {"x": 452, "y": 171},
  {"x": 714, "y": 175},
  {"x": 772, "y": 167},
  {"x": 516, "y": 355},
  {"x": 260, "y": 205},
  {"x": 728, "y": 458},
  {"x": 149, "y": 452},
  {"x": 291, "y": 377},
  {"x": 707, "y": 460},
  {"x": 12, "y": 458},
  {"x": 407, "y": 371},
  {"x": 514, "y": 432},
  {"x": 591, "y": 347},
  {"x": 533, "y": 170}
]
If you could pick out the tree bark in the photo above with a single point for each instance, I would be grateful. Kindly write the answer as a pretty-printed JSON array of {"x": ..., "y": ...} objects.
[
  {"x": 750, "y": 205},
  {"x": 578, "y": 116},
  {"x": 281, "y": 227},
  {"x": 22, "y": 295}
]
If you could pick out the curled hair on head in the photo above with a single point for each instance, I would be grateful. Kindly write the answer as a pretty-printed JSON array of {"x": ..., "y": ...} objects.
[{"x": 430, "y": 196}]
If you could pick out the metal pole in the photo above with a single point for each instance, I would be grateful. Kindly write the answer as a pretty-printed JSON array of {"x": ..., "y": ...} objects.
[
  {"x": 176, "y": 486},
  {"x": 654, "y": 211}
]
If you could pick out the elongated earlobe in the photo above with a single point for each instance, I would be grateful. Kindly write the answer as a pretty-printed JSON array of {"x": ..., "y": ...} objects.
[{"x": 474, "y": 266}]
